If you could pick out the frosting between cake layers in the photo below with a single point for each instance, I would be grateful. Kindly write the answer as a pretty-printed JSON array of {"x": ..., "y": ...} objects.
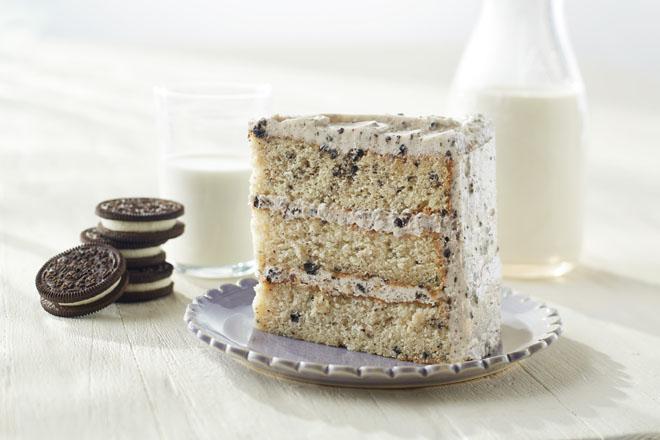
[
  {"x": 379, "y": 220},
  {"x": 376, "y": 287},
  {"x": 335, "y": 284},
  {"x": 384, "y": 134}
]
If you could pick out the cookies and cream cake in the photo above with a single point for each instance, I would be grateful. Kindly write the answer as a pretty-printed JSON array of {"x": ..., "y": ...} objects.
[{"x": 377, "y": 233}]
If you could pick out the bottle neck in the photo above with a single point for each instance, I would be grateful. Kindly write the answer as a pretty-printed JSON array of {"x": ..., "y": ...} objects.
[
  {"x": 535, "y": 23},
  {"x": 538, "y": 12},
  {"x": 524, "y": 42}
]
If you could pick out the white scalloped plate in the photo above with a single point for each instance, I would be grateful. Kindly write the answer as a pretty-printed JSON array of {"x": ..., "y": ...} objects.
[{"x": 223, "y": 319}]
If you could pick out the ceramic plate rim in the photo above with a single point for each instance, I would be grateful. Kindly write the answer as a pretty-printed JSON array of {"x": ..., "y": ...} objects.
[{"x": 295, "y": 368}]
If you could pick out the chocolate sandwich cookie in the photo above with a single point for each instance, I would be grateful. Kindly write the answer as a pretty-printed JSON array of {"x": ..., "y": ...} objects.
[
  {"x": 147, "y": 283},
  {"x": 136, "y": 254},
  {"x": 82, "y": 280},
  {"x": 139, "y": 219}
]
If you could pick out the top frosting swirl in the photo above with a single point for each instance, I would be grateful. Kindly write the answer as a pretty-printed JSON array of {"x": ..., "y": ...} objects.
[{"x": 397, "y": 135}]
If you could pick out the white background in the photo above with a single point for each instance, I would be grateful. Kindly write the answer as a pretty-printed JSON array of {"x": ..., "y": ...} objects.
[{"x": 618, "y": 36}]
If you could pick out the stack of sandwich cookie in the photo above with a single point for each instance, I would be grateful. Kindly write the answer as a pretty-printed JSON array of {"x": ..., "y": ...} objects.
[
  {"x": 149, "y": 282},
  {"x": 137, "y": 227},
  {"x": 137, "y": 254},
  {"x": 139, "y": 219},
  {"x": 119, "y": 260},
  {"x": 82, "y": 280}
]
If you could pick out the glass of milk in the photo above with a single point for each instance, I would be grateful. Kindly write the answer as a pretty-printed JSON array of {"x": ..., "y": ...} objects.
[
  {"x": 204, "y": 164},
  {"x": 519, "y": 70}
]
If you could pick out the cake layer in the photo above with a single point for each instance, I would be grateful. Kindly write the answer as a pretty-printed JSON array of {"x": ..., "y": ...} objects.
[
  {"x": 357, "y": 179},
  {"x": 406, "y": 331},
  {"x": 313, "y": 245}
]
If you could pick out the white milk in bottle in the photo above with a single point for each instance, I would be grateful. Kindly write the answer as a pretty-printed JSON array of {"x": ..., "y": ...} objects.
[
  {"x": 519, "y": 70},
  {"x": 540, "y": 176},
  {"x": 214, "y": 190}
]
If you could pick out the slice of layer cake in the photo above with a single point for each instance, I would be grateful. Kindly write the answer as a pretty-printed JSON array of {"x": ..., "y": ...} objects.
[{"x": 378, "y": 234}]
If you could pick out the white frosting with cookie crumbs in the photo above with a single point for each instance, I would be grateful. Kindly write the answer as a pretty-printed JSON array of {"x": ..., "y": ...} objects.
[
  {"x": 379, "y": 220},
  {"x": 383, "y": 134},
  {"x": 124, "y": 226},
  {"x": 335, "y": 284}
]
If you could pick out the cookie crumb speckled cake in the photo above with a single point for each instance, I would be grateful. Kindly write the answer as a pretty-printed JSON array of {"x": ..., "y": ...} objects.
[{"x": 378, "y": 234}]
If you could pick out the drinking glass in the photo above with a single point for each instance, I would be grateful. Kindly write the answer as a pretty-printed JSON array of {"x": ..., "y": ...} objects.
[{"x": 204, "y": 164}]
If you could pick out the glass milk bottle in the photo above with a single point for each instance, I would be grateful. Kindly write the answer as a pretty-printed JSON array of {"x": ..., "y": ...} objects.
[{"x": 519, "y": 70}]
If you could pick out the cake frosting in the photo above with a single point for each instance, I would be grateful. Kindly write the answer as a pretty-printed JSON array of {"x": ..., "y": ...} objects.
[
  {"x": 384, "y": 134},
  {"x": 471, "y": 221},
  {"x": 379, "y": 220},
  {"x": 463, "y": 301},
  {"x": 334, "y": 284}
]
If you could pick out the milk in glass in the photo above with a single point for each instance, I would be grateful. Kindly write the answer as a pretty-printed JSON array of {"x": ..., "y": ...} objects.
[
  {"x": 214, "y": 190},
  {"x": 204, "y": 164}
]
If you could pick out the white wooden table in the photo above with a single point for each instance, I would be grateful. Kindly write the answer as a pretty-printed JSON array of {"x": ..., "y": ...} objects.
[{"x": 77, "y": 126}]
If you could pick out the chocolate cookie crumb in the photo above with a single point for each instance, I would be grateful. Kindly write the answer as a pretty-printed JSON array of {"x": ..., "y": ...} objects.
[
  {"x": 259, "y": 130},
  {"x": 400, "y": 222},
  {"x": 311, "y": 268}
]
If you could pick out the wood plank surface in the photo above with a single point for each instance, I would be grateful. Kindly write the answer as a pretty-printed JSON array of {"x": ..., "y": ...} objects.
[{"x": 77, "y": 126}]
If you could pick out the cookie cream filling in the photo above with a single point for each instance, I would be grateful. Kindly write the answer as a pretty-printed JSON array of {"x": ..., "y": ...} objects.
[
  {"x": 335, "y": 284},
  {"x": 144, "y": 287},
  {"x": 141, "y": 253},
  {"x": 124, "y": 226},
  {"x": 94, "y": 298}
]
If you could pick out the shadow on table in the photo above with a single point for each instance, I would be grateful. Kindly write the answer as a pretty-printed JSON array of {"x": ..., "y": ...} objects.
[
  {"x": 600, "y": 294},
  {"x": 568, "y": 375},
  {"x": 552, "y": 391},
  {"x": 140, "y": 324}
]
